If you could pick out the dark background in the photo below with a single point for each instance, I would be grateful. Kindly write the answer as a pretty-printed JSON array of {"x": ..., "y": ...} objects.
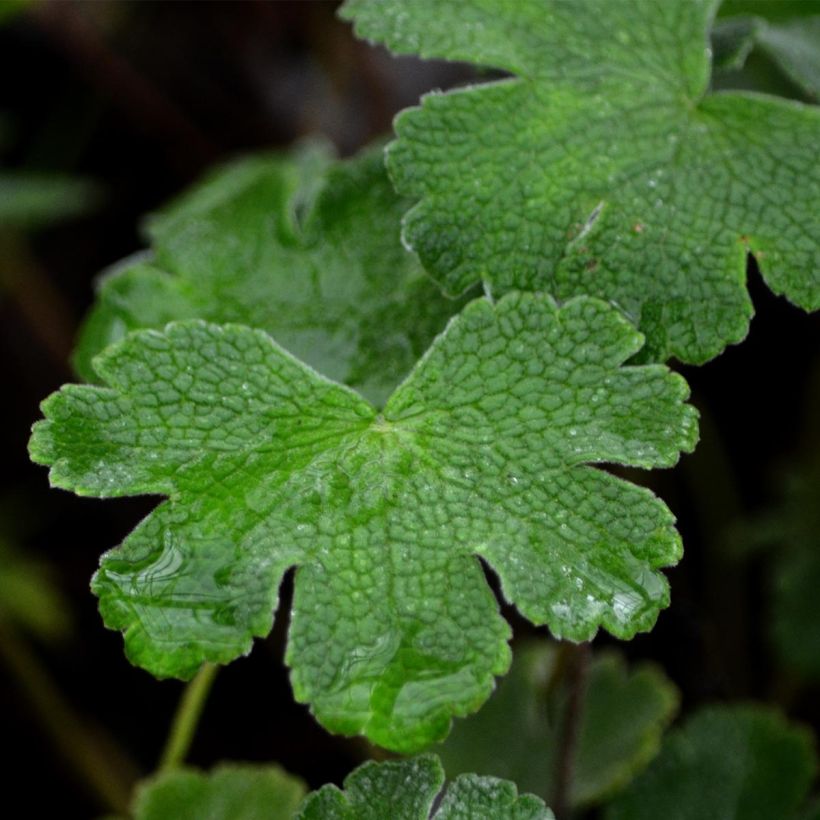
[{"x": 143, "y": 97}]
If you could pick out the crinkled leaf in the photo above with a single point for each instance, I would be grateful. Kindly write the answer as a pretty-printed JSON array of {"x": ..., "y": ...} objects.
[
  {"x": 29, "y": 200},
  {"x": 623, "y": 716},
  {"x": 603, "y": 166},
  {"x": 29, "y": 599},
  {"x": 741, "y": 762},
  {"x": 304, "y": 247},
  {"x": 485, "y": 450},
  {"x": 407, "y": 789},
  {"x": 231, "y": 791}
]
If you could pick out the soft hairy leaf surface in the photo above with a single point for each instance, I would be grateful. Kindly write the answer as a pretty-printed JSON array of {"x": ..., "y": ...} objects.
[
  {"x": 485, "y": 450},
  {"x": 623, "y": 715},
  {"x": 231, "y": 791},
  {"x": 305, "y": 247},
  {"x": 407, "y": 789},
  {"x": 726, "y": 763},
  {"x": 603, "y": 166}
]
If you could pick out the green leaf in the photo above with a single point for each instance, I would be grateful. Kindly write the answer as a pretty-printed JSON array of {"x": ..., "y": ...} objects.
[
  {"x": 485, "y": 450},
  {"x": 793, "y": 45},
  {"x": 623, "y": 716},
  {"x": 29, "y": 598},
  {"x": 231, "y": 791},
  {"x": 603, "y": 166},
  {"x": 741, "y": 762},
  {"x": 303, "y": 247},
  {"x": 31, "y": 200},
  {"x": 407, "y": 789}
]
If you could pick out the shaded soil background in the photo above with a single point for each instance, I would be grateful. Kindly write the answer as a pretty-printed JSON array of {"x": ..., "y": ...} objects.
[{"x": 143, "y": 97}]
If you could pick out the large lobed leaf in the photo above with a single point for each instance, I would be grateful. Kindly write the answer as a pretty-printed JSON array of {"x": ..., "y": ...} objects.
[
  {"x": 304, "y": 247},
  {"x": 407, "y": 790},
  {"x": 603, "y": 166},
  {"x": 485, "y": 450}
]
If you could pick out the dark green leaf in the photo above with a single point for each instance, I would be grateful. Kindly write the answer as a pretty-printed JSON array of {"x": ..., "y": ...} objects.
[
  {"x": 305, "y": 248},
  {"x": 726, "y": 763},
  {"x": 407, "y": 789},
  {"x": 230, "y": 792},
  {"x": 623, "y": 715}
]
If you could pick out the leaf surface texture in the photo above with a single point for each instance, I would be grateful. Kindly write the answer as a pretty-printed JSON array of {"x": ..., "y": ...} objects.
[
  {"x": 487, "y": 449},
  {"x": 603, "y": 165}
]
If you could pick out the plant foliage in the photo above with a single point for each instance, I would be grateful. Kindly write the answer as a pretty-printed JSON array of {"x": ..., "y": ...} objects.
[
  {"x": 603, "y": 166},
  {"x": 484, "y": 450}
]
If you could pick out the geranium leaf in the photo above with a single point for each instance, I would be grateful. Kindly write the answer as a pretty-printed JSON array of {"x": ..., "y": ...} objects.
[
  {"x": 485, "y": 450},
  {"x": 304, "y": 247},
  {"x": 407, "y": 789},
  {"x": 603, "y": 166}
]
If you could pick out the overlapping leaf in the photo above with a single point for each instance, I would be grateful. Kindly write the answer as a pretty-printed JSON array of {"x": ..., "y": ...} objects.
[
  {"x": 484, "y": 450},
  {"x": 305, "y": 248},
  {"x": 793, "y": 44},
  {"x": 740, "y": 762},
  {"x": 603, "y": 166},
  {"x": 623, "y": 714},
  {"x": 407, "y": 790}
]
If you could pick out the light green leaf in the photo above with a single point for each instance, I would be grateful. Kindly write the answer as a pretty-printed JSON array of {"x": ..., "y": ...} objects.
[
  {"x": 306, "y": 248},
  {"x": 603, "y": 166},
  {"x": 726, "y": 763},
  {"x": 407, "y": 789},
  {"x": 232, "y": 791},
  {"x": 31, "y": 200},
  {"x": 485, "y": 450},
  {"x": 623, "y": 715}
]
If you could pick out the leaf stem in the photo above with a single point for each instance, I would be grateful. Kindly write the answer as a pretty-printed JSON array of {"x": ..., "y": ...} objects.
[
  {"x": 187, "y": 717},
  {"x": 576, "y": 670},
  {"x": 101, "y": 765}
]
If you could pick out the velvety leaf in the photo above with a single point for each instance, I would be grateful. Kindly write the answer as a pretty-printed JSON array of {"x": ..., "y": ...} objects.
[
  {"x": 603, "y": 166},
  {"x": 725, "y": 763},
  {"x": 304, "y": 247},
  {"x": 623, "y": 716},
  {"x": 231, "y": 791},
  {"x": 407, "y": 789},
  {"x": 485, "y": 450}
]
